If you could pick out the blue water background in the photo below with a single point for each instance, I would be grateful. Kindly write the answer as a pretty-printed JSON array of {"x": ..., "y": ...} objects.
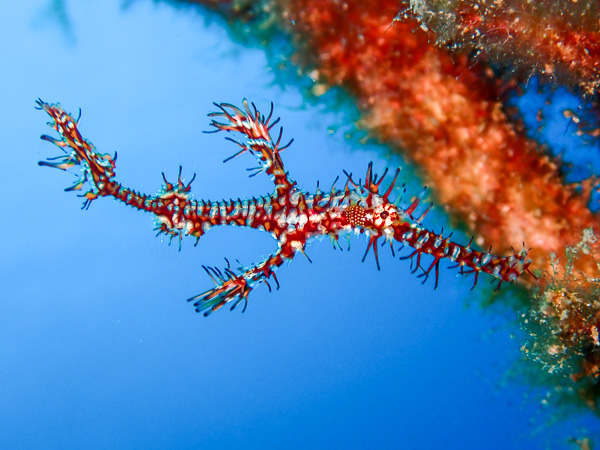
[{"x": 98, "y": 348}]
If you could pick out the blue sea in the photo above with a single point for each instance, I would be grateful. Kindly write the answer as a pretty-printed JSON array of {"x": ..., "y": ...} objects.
[{"x": 98, "y": 346}]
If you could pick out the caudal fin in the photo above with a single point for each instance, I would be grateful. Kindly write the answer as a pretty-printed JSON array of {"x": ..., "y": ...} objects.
[{"x": 97, "y": 169}]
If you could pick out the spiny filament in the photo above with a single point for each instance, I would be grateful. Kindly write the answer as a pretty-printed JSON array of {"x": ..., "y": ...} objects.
[{"x": 293, "y": 217}]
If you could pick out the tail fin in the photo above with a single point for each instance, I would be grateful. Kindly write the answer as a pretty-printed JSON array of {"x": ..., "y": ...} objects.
[{"x": 98, "y": 169}]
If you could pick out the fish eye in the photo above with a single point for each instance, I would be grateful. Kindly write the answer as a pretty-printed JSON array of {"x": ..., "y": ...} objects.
[{"x": 384, "y": 215}]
